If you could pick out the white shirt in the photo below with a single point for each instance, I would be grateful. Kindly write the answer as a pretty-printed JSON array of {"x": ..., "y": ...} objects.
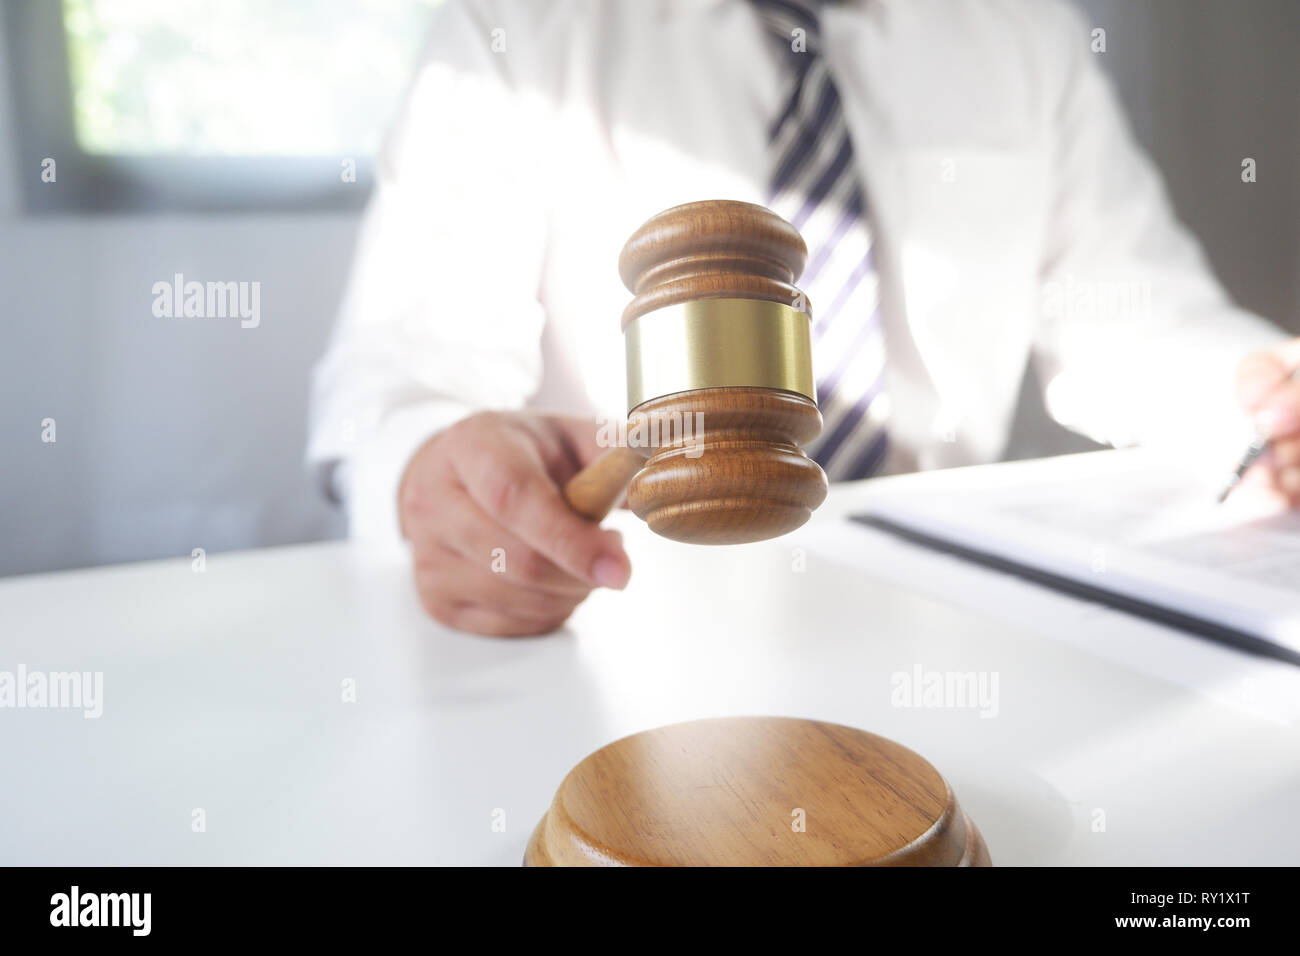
[{"x": 1014, "y": 217}]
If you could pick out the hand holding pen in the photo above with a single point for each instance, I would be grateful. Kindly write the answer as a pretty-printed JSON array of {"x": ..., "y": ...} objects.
[{"x": 1268, "y": 384}]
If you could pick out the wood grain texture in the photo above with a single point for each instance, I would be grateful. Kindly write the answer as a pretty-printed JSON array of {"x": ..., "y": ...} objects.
[
  {"x": 594, "y": 491},
  {"x": 746, "y": 478},
  {"x": 716, "y": 249},
  {"x": 743, "y": 478},
  {"x": 725, "y": 791}
]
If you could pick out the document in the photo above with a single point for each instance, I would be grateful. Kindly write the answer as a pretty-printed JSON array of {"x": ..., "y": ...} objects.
[{"x": 1133, "y": 525}]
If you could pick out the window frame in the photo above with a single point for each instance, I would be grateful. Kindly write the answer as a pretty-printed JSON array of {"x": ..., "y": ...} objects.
[{"x": 40, "y": 85}]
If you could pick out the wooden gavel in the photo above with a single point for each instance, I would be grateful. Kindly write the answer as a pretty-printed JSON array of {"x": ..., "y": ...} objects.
[{"x": 721, "y": 395}]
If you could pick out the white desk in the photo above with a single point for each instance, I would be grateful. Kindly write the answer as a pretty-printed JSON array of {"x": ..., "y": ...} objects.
[{"x": 223, "y": 691}]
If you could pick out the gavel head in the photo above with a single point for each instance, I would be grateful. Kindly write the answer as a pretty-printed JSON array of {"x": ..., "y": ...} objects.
[{"x": 721, "y": 396}]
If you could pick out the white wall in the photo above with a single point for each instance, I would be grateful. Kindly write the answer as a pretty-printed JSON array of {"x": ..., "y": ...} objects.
[{"x": 172, "y": 434}]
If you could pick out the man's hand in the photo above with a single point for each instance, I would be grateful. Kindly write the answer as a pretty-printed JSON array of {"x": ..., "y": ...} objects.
[
  {"x": 1264, "y": 384},
  {"x": 496, "y": 549}
]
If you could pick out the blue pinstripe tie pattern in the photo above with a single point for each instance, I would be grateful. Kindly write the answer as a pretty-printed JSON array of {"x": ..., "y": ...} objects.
[{"x": 815, "y": 185}]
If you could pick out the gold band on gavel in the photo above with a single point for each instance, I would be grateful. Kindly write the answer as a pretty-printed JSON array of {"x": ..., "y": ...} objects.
[{"x": 713, "y": 343}]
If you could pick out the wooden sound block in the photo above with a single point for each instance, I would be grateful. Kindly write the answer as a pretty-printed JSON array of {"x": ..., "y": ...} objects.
[{"x": 755, "y": 791}]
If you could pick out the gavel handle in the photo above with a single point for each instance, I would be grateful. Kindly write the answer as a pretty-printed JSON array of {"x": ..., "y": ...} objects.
[{"x": 595, "y": 490}]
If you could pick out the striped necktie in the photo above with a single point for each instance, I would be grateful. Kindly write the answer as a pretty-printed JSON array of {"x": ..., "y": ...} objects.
[{"x": 815, "y": 185}]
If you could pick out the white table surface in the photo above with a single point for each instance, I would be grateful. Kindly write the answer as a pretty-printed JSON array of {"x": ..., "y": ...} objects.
[{"x": 223, "y": 691}]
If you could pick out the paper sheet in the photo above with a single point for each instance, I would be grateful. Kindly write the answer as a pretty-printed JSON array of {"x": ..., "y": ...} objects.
[{"x": 1131, "y": 524}]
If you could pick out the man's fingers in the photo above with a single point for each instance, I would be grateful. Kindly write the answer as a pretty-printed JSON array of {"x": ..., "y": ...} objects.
[
  {"x": 468, "y": 530},
  {"x": 1266, "y": 389},
  {"x": 1273, "y": 480},
  {"x": 496, "y": 549},
  {"x": 469, "y": 598},
  {"x": 1257, "y": 376},
  {"x": 481, "y": 620},
  {"x": 513, "y": 487},
  {"x": 446, "y": 572},
  {"x": 1279, "y": 413},
  {"x": 581, "y": 437},
  {"x": 1288, "y": 482},
  {"x": 1285, "y": 453},
  {"x": 1263, "y": 386},
  {"x": 1282, "y": 466}
]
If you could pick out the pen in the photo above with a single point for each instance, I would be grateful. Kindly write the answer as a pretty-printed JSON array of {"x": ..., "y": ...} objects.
[{"x": 1258, "y": 445}]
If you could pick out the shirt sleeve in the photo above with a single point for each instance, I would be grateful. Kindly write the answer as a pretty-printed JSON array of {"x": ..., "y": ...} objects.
[
  {"x": 441, "y": 315},
  {"x": 1137, "y": 341}
]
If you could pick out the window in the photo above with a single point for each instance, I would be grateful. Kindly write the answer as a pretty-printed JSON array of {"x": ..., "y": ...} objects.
[{"x": 202, "y": 105}]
